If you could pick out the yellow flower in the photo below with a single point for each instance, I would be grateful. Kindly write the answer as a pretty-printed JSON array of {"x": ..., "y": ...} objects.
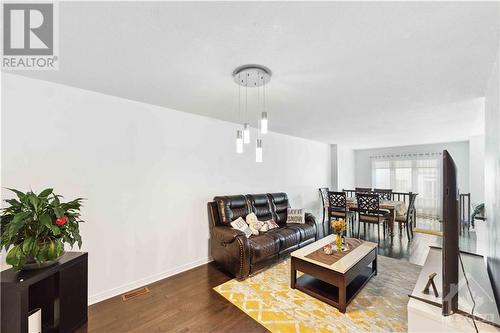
[{"x": 338, "y": 226}]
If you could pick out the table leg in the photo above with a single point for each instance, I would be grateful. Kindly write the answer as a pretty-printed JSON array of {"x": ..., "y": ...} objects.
[
  {"x": 391, "y": 220},
  {"x": 374, "y": 265},
  {"x": 293, "y": 273},
  {"x": 342, "y": 296}
]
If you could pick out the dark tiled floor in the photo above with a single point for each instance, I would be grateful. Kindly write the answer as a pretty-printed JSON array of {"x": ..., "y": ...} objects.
[{"x": 415, "y": 251}]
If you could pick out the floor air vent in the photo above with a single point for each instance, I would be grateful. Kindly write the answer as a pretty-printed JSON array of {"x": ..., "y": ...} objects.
[{"x": 135, "y": 293}]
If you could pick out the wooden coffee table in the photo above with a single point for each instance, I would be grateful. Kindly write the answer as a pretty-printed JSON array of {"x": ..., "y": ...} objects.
[{"x": 334, "y": 283}]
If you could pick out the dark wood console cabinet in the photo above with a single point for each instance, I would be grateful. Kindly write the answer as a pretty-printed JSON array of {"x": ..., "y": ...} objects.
[{"x": 59, "y": 290}]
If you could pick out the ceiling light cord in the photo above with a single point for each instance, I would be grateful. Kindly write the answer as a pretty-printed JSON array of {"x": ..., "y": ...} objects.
[
  {"x": 258, "y": 108},
  {"x": 264, "y": 93},
  {"x": 246, "y": 98},
  {"x": 239, "y": 99}
]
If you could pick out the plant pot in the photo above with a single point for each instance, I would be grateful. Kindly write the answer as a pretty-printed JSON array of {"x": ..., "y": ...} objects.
[{"x": 31, "y": 264}]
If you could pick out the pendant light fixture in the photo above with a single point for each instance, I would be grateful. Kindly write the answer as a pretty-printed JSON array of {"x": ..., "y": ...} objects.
[
  {"x": 263, "y": 123},
  {"x": 252, "y": 76},
  {"x": 239, "y": 142},
  {"x": 258, "y": 151},
  {"x": 246, "y": 133},
  {"x": 263, "y": 117}
]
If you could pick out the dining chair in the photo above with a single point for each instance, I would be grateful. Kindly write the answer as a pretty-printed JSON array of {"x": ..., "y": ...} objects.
[
  {"x": 406, "y": 220},
  {"x": 323, "y": 192},
  {"x": 338, "y": 207},
  {"x": 363, "y": 190},
  {"x": 384, "y": 194},
  {"x": 369, "y": 212}
]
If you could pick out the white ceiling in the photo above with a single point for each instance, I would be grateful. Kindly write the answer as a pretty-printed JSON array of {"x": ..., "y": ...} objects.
[{"x": 364, "y": 74}]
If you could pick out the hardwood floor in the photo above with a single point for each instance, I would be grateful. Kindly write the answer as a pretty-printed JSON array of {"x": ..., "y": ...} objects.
[
  {"x": 186, "y": 302},
  {"x": 181, "y": 303}
]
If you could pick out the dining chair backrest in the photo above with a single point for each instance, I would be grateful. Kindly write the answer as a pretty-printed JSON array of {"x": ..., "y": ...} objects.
[
  {"x": 384, "y": 194},
  {"x": 337, "y": 201},
  {"x": 368, "y": 203},
  {"x": 363, "y": 190},
  {"x": 324, "y": 196}
]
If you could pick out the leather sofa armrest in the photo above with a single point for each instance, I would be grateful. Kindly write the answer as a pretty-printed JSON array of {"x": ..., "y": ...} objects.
[
  {"x": 230, "y": 249},
  {"x": 310, "y": 219},
  {"x": 226, "y": 235}
]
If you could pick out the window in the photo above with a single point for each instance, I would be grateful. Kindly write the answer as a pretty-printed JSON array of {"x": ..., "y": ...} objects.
[
  {"x": 420, "y": 175},
  {"x": 402, "y": 179},
  {"x": 382, "y": 178}
]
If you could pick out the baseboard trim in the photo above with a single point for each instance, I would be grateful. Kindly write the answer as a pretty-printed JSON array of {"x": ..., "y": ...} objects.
[{"x": 145, "y": 281}]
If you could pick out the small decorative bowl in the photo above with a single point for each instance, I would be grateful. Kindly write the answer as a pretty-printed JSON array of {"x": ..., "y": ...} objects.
[{"x": 328, "y": 249}]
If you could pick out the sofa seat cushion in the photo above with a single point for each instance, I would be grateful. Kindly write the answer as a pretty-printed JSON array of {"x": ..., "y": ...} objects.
[
  {"x": 288, "y": 238},
  {"x": 401, "y": 218},
  {"x": 306, "y": 231},
  {"x": 263, "y": 247}
]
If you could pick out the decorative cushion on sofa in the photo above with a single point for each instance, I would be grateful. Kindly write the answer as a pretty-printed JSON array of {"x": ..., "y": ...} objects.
[
  {"x": 295, "y": 216},
  {"x": 241, "y": 225},
  {"x": 256, "y": 225},
  {"x": 271, "y": 224}
]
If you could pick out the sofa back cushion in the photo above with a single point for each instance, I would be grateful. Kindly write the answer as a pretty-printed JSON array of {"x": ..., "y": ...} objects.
[
  {"x": 260, "y": 204},
  {"x": 279, "y": 205},
  {"x": 231, "y": 207}
]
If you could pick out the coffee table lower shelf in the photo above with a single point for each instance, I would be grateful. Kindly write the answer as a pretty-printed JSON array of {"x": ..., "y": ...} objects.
[{"x": 329, "y": 293}]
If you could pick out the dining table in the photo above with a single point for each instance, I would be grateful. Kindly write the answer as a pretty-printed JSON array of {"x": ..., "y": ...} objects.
[{"x": 395, "y": 208}]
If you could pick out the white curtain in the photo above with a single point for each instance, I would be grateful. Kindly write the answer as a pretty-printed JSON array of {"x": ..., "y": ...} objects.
[{"x": 417, "y": 173}]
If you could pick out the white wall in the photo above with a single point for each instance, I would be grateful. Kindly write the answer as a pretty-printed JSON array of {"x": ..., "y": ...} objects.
[
  {"x": 476, "y": 169},
  {"x": 492, "y": 174},
  {"x": 346, "y": 167},
  {"x": 458, "y": 150},
  {"x": 147, "y": 173},
  {"x": 334, "y": 170},
  {"x": 342, "y": 169}
]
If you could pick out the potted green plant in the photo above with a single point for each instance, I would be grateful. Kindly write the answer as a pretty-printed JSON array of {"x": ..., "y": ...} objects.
[{"x": 34, "y": 228}]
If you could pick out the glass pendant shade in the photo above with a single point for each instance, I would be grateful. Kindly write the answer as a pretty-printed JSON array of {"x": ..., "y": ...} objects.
[
  {"x": 263, "y": 123},
  {"x": 239, "y": 142},
  {"x": 246, "y": 133},
  {"x": 258, "y": 151}
]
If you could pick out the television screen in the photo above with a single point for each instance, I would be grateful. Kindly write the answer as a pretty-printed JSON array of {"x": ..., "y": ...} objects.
[{"x": 450, "y": 235}]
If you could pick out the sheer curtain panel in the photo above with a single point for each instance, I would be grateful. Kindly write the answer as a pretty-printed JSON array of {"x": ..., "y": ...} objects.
[{"x": 418, "y": 173}]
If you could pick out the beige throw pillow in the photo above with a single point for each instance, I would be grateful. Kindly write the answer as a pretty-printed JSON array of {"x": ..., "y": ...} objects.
[
  {"x": 271, "y": 224},
  {"x": 241, "y": 225},
  {"x": 255, "y": 225},
  {"x": 296, "y": 216}
]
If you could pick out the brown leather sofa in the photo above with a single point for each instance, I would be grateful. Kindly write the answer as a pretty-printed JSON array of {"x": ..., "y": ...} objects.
[{"x": 241, "y": 256}]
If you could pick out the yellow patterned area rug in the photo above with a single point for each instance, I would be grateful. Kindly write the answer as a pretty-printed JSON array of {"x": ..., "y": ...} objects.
[{"x": 379, "y": 307}]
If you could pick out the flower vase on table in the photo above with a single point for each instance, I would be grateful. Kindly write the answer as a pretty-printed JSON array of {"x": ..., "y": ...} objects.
[
  {"x": 338, "y": 227},
  {"x": 338, "y": 242}
]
